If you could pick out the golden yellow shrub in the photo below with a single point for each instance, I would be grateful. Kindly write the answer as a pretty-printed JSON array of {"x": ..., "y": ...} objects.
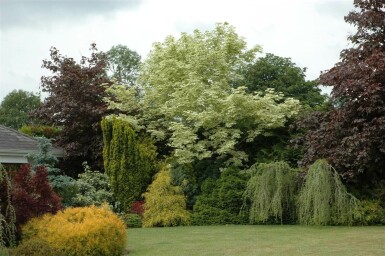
[
  {"x": 80, "y": 231},
  {"x": 165, "y": 203}
]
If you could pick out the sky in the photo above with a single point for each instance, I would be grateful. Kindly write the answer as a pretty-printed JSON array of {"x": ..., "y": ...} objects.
[{"x": 311, "y": 32}]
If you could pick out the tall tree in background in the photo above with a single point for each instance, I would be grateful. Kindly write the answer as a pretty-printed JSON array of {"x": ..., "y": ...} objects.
[
  {"x": 15, "y": 108},
  {"x": 190, "y": 104},
  {"x": 352, "y": 135},
  {"x": 284, "y": 76},
  {"x": 75, "y": 104},
  {"x": 123, "y": 64}
]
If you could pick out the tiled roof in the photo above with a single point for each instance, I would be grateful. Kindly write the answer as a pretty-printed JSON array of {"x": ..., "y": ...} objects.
[
  {"x": 13, "y": 140},
  {"x": 15, "y": 146}
]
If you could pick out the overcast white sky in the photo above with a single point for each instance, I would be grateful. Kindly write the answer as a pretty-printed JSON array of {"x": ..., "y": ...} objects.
[{"x": 311, "y": 32}]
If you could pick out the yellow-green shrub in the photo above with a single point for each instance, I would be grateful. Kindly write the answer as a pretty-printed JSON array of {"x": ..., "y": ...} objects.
[
  {"x": 165, "y": 204},
  {"x": 80, "y": 231},
  {"x": 34, "y": 247}
]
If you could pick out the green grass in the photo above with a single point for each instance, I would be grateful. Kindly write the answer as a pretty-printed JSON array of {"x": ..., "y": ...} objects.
[{"x": 257, "y": 240}]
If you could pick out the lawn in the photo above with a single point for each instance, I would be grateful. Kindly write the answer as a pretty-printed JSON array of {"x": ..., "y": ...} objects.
[{"x": 257, "y": 240}]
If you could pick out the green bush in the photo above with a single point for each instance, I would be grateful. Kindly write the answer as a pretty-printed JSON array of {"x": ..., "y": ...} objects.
[
  {"x": 35, "y": 130},
  {"x": 215, "y": 216},
  {"x": 221, "y": 200},
  {"x": 83, "y": 231},
  {"x": 35, "y": 247},
  {"x": 371, "y": 212},
  {"x": 132, "y": 220},
  {"x": 93, "y": 189}
]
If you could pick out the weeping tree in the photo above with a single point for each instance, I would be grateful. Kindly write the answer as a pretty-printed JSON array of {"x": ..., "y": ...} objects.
[
  {"x": 324, "y": 200},
  {"x": 270, "y": 193},
  {"x": 7, "y": 212},
  {"x": 129, "y": 160}
]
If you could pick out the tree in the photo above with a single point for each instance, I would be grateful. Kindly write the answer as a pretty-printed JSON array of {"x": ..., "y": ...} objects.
[
  {"x": 323, "y": 199},
  {"x": 283, "y": 76},
  {"x": 352, "y": 135},
  {"x": 270, "y": 193},
  {"x": 75, "y": 104},
  {"x": 165, "y": 204},
  {"x": 129, "y": 160},
  {"x": 189, "y": 101},
  {"x": 123, "y": 64},
  {"x": 16, "y": 106}
]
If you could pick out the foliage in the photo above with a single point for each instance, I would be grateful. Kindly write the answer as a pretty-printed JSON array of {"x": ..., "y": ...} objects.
[
  {"x": 270, "y": 193},
  {"x": 132, "y": 220},
  {"x": 15, "y": 108},
  {"x": 189, "y": 102},
  {"x": 4, "y": 251},
  {"x": 32, "y": 194},
  {"x": 123, "y": 64},
  {"x": 283, "y": 76},
  {"x": 372, "y": 212},
  {"x": 323, "y": 199},
  {"x": 39, "y": 130},
  {"x": 129, "y": 160},
  {"x": 137, "y": 207},
  {"x": 352, "y": 135},
  {"x": 165, "y": 204},
  {"x": 7, "y": 212},
  {"x": 65, "y": 186},
  {"x": 34, "y": 247},
  {"x": 277, "y": 146},
  {"x": 93, "y": 189},
  {"x": 44, "y": 157},
  {"x": 75, "y": 105},
  {"x": 80, "y": 231},
  {"x": 220, "y": 201},
  {"x": 185, "y": 177}
]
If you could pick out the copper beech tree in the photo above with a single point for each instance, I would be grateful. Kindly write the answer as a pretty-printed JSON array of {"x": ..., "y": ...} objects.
[
  {"x": 352, "y": 135},
  {"x": 75, "y": 104}
]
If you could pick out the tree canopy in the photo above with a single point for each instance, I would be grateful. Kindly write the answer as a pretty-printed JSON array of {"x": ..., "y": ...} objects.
[
  {"x": 123, "y": 64},
  {"x": 190, "y": 100},
  {"x": 352, "y": 135},
  {"x": 284, "y": 76},
  {"x": 75, "y": 104},
  {"x": 16, "y": 106}
]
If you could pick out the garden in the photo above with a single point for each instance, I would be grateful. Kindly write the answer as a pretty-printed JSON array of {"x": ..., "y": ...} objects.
[{"x": 205, "y": 147}]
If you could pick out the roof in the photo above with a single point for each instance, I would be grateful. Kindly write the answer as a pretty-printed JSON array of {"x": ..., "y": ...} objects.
[{"x": 15, "y": 146}]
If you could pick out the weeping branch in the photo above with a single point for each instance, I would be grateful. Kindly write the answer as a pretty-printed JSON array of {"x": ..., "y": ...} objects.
[
  {"x": 324, "y": 200},
  {"x": 270, "y": 193}
]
